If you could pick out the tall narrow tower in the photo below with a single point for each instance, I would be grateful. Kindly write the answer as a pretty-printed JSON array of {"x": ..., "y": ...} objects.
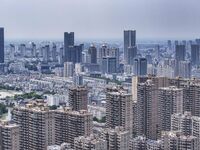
[
  {"x": 129, "y": 41},
  {"x": 1, "y": 45},
  {"x": 68, "y": 41}
]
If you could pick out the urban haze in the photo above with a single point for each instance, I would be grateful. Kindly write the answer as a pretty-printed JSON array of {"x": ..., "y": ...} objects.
[{"x": 99, "y": 75}]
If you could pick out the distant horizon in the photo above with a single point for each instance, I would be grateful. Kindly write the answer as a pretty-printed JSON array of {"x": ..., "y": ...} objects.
[
  {"x": 96, "y": 39},
  {"x": 100, "y": 19}
]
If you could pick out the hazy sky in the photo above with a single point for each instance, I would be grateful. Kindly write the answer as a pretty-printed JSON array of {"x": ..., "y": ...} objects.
[{"x": 100, "y": 18}]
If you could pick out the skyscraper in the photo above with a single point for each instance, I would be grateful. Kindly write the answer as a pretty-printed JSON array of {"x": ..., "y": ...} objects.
[
  {"x": 157, "y": 52},
  {"x": 184, "y": 68},
  {"x": 129, "y": 41},
  {"x": 140, "y": 66},
  {"x": 68, "y": 41},
  {"x": 46, "y": 53},
  {"x": 93, "y": 54},
  {"x": 101, "y": 53},
  {"x": 61, "y": 58},
  {"x": 136, "y": 67},
  {"x": 169, "y": 44},
  {"x": 197, "y": 41},
  {"x": 12, "y": 52},
  {"x": 1, "y": 45},
  {"x": 33, "y": 49},
  {"x": 75, "y": 53},
  {"x": 180, "y": 53},
  {"x": 132, "y": 53},
  {"x": 22, "y": 49},
  {"x": 109, "y": 65},
  {"x": 195, "y": 54},
  {"x": 143, "y": 66},
  {"x": 53, "y": 52}
]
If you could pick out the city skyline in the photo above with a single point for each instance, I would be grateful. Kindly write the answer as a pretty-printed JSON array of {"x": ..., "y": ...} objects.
[
  {"x": 100, "y": 19},
  {"x": 99, "y": 75}
]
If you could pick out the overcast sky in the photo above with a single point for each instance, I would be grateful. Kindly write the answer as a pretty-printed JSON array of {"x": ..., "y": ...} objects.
[{"x": 89, "y": 19}]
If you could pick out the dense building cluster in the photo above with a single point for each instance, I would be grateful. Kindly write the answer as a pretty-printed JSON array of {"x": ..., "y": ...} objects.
[{"x": 100, "y": 96}]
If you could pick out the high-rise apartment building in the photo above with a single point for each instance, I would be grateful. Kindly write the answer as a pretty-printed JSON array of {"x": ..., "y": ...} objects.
[
  {"x": 89, "y": 143},
  {"x": 37, "y": 126},
  {"x": 119, "y": 109},
  {"x": 170, "y": 101},
  {"x": 142, "y": 143},
  {"x": 196, "y": 127},
  {"x": 135, "y": 81},
  {"x": 41, "y": 127},
  {"x": 146, "y": 120},
  {"x": 191, "y": 97},
  {"x": 138, "y": 143},
  {"x": 154, "y": 144},
  {"x": 63, "y": 146},
  {"x": 70, "y": 124},
  {"x": 129, "y": 41},
  {"x": 182, "y": 122},
  {"x": 175, "y": 140},
  {"x": 116, "y": 139},
  {"x": 9, "y": 136},
  {"x": 1, "y": 45},
  {"x": 186, "y": 124},
  {"x": 68, "y": 69},
  {"x": 78, "y": 98}
]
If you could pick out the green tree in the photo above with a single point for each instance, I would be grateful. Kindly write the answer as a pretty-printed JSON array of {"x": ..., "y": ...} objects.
[{"x": 3, "y": 109}]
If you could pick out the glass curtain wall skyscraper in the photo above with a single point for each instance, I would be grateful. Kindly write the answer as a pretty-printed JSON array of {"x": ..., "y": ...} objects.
[{"x": 1, "y": 45}]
